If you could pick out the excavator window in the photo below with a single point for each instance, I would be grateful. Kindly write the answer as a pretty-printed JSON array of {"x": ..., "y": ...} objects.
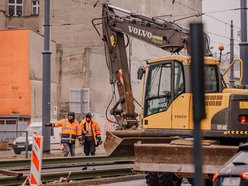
[
  {"x": 165, "y": 83},
  {"x": 211, "y": 78},
  {"x": 179, "y": 86}
]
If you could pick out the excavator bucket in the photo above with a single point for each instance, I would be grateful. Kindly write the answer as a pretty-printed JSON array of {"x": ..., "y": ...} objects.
[
  {"x": 121, "y": 142},
  {"x": 166, "y": 154},
  {"x": 176, "y": 157}
]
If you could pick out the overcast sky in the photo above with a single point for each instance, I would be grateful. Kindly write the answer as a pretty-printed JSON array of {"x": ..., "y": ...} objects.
[{"x": 217, "y": 19}]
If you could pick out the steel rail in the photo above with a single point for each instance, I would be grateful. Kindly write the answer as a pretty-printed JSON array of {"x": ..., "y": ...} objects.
[
  {"x": 63, "y": 166},
  {"x": 74, "y": 175},
  {"x": 65, "y": 161}
]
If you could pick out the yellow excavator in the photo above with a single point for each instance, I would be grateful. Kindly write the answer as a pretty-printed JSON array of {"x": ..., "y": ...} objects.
[{"x": 161, "y": 142}]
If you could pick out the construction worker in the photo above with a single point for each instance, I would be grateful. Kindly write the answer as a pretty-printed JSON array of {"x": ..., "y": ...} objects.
[
  {"x": 69, "y": 132},
  {"x": 91, "y": 134}
]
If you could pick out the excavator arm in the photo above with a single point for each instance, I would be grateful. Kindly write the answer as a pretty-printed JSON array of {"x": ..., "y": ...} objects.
[{"x": 116, "y": 23}]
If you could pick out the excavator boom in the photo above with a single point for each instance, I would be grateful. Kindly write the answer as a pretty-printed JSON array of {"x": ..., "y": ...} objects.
[
  {"x": 116, "y": 23},
  {"x": 155, "y": 31}
]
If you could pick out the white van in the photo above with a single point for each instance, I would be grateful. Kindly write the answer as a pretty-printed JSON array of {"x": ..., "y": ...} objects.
[{"x": 19, "y": 144}]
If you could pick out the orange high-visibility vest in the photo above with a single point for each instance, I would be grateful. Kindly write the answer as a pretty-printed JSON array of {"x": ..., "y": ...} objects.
[
  {"x": 69, "y": 131},
  {"x": 90, "y": 128}
]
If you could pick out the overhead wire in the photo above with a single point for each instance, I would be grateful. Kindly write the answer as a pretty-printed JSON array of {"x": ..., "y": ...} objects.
[
  {"x": 217, "y": 42},
  {"x": 222, "y": 36},
  {"x": 220, "y": 11},
  {"x": 94, "y": 4},
  {"x": 203, "y": 13},
  {"x": 200, "y": 13}
]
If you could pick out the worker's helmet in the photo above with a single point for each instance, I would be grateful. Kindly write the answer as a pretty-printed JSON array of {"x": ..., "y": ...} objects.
[
  {"x": 89, "y": 115},
  {"x": 71, "y": 114}
]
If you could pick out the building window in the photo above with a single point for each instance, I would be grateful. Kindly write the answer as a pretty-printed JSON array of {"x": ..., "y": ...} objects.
[
  {"x": 15, "y": 8},
  {"x": 79, "y": 100},
  {"x": 35, "y": 7}
]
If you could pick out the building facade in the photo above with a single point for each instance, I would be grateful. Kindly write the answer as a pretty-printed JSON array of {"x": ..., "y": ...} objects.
[
  {"x": 21, "y": 80},
  {"x": 83, "y": 76}
]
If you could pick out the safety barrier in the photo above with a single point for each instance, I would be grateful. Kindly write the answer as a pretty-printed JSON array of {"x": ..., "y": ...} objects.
[{"x": 36, "y": 160}]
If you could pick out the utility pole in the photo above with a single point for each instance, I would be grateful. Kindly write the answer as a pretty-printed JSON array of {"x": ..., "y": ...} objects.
[
  {"x": 197, "y": 81},
  {"x": 46, "y": 84},
  {"x": 244, "y": 45},
  {"x": 231, "y": 77}
]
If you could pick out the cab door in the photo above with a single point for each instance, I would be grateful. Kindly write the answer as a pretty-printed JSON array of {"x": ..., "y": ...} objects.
[
  {"x": 158, "y": 96},
  {"x": 181, "y": 105},
  {"x": 166, "y": 102}
]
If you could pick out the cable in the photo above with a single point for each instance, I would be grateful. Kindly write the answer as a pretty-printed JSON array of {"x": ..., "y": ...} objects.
[
  {"x": 138, "y": 103},
  {"x": 81, "y": 53},
  {"x": 106, "y": 111},
  {"x": 175, "y": 1},
  {"x": 221, "y": 21},
  {"x": 113, "y": 86},
  {"x": 222, "y": 36},
  {"x": 219, "y": 11},
  {"x": 196, "y": 15},
  {"x": 68, "y": 24},
  {"x": 95, "y": 24},
  {"x": 96, "y": 4},
  {"x": 203, "y": 13},
  {"x": 74, "y": 54},
  {"x": 212, "y": 41},
  {"x": 128, "y": 40}
]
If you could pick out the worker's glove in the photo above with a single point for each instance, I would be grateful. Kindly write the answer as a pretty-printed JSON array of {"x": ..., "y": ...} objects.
[
  {"x": 81, "y": 143},
  {"x": 48, "y": 124},
  {"x": 99, "y": 140}
]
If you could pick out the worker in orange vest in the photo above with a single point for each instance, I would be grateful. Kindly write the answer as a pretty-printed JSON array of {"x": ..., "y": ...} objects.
[
  {"x": 91, "y": 134},
  {"x": 69, "y": 133}
]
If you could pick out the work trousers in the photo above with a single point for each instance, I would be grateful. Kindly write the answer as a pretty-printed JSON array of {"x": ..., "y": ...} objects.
[
  {"x": 69, "y": 148},
  {"x": 89, "y": 146}
]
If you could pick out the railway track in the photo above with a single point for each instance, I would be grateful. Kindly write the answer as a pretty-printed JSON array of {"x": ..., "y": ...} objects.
[
  {"x": 76, "y": 160},
  {"x": 75, "y": 168}
]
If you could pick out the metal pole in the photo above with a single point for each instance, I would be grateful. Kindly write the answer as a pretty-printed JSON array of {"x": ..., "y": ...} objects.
[
  {"x": 243, "y": 6},
  {"x": 26, "y": 148},
  {"x": 244, "y": 45},
  {"x": 197, "y": 82},
  {"x": 231, "y": 78},
  {"x": 46, "y": 84}
]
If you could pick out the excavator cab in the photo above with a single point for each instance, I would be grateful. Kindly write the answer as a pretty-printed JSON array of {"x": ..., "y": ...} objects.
[{"x": 167, "y": 98}]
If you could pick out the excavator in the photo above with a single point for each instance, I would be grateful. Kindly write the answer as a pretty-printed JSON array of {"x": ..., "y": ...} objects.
[{"x": 161, "y": 141}]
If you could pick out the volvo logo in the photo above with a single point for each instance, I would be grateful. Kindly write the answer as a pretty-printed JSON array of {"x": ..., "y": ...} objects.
[{"x": 140, "y": 32}]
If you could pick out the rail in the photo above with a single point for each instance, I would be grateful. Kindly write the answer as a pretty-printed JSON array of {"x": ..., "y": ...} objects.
[
  {"x": 46, "y": 162},
  {"x": 75, "y": 175},
  {"x": 78, "y": 168}
]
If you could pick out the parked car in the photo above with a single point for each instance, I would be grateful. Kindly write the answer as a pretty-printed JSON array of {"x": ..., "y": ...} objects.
[
  {"x": 19, "y": 144},
  {"x": 235, "y": 171}
]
